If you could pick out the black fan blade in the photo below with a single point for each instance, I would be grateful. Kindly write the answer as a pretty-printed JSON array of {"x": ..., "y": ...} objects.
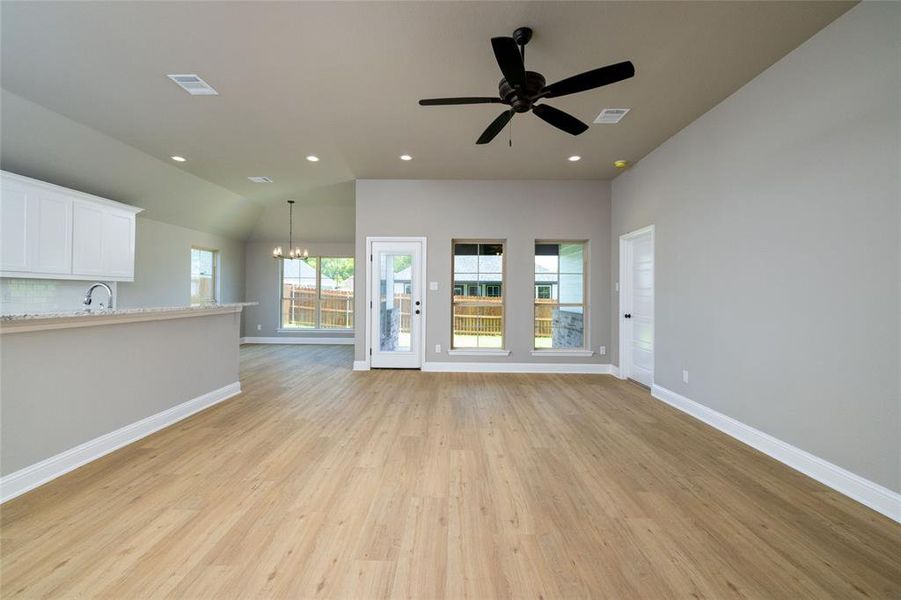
[
  {"x": 559, "y": 119},
  {"x": 589, "y": 80},
  {"x": 495, "y": 128},
  {"x": 448, "y": 101},
  {"x": 509, "y": 60}
]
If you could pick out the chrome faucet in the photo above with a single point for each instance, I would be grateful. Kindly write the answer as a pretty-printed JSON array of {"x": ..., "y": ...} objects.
[{"x": 87, "y": 296}]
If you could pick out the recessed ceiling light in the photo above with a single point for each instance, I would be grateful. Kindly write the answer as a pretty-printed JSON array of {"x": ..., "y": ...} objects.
[
  {"x": 312, "y": 158},
  {"x": 406, "y": 157},
  {"x": 574, "y": 158},
  {"x": 178, "y": 158}
]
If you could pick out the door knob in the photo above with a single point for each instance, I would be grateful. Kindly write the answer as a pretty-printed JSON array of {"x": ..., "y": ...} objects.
[{"x": 628, "y": 315}]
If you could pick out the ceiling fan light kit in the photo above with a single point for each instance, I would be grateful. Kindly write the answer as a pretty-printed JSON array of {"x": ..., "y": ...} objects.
[{"x": 521, "y": 90}]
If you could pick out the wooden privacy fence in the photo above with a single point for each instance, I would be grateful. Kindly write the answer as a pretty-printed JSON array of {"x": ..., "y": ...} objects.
[
  {"x": 299, "y": 308},
  {"x": 484, "y": 316},
  {"x": 481, "y": 316}
]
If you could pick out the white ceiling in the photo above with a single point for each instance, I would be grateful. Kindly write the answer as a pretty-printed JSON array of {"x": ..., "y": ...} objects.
[{"x": 341, "y": 80}]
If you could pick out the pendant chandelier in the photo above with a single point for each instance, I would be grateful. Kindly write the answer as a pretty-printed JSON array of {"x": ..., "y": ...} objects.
[{"x": 293, "y": 253}]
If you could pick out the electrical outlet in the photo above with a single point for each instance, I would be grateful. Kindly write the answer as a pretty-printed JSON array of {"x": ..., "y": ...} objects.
[
  {"x": 603, "y": 350},
  {"x": 433, "y": 286},
  {"x": 437, "y": 348},
  {"x": 684, "y": 376},
  {"x": 259, "y": 327}
]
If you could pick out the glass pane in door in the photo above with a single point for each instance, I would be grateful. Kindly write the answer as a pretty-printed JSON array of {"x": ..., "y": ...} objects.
[{"x": 395, "y": 281}]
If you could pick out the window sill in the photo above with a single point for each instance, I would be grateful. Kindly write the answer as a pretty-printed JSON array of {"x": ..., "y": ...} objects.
[
  {"x": 300, "y": 330},
  {"x": 478, "y": 352},
  {"x": 564, "y": 353}
]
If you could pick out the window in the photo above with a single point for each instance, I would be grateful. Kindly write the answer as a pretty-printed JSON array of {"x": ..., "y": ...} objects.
[
  {"x": 542, "y": 292},
  {"x": 204, "y": 275},
  {"x": 559, "y": 295},
  {"x": 478, "y": 300},
  {"x": 318, "y": 293}
]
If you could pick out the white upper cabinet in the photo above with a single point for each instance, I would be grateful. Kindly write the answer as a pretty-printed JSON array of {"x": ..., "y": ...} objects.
[
  {"x": 119, "y": 234},
  {"x": 53, "y": 232},
  {"x": 52, "y": 227},
  {"x": 15, "y": 251},
  {"x": 87, "y": 255}
]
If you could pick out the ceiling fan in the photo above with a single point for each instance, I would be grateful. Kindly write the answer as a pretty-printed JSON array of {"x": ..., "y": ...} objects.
[{"x": 521, "y": 89}]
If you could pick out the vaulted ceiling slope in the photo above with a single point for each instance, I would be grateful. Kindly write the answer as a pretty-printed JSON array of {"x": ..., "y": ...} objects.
[
  {"x": 341, "y": 80},
  {"x": 42, "y": 144}
]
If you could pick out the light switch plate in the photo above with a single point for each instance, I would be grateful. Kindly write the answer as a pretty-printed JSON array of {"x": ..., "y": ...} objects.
[
  {"x": 433, "y": 285},
  {"x": 259, "y": 327}
]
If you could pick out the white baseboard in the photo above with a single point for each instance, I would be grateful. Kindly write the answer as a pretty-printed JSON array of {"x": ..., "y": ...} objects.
[
  {"x": 505, "y": 367},
  {"x": 361, "y": 365},
  {"x": 298, "y": 340},
  {"x": 38, "y": 474},
  {"x": 866, "y": 492}
]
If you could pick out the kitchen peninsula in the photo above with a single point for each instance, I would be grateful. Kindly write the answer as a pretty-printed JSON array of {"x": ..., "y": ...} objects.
[{"x": 110, "y": 378}]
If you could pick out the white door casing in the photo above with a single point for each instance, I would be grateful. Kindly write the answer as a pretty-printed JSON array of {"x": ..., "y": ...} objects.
[
  {"x": 395, "y": 315},
  {"x": 636, "y": 304}
]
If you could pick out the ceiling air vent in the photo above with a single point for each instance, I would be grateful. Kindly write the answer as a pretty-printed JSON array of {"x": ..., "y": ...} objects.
[
  {"x": 193, "y": 84},
  {"x": 611, "y": 115},
  {"x": 260, "y": 179}
]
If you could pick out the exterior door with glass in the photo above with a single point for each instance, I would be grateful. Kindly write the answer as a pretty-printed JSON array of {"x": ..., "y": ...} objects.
[{"x": 396, "y": 310}]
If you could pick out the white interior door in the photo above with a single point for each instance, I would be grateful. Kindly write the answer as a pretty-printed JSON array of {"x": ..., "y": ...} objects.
[
  {"x": 637, "y": 305},
  {"x": 397, "y": 307}
]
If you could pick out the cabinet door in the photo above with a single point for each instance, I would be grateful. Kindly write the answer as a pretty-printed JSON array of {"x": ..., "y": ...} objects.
[
  {"x": 51, "y": 229},
  {"x": 15, "y": 253},
  {"x": 118, "y": 244},
  {"x": 87, "y": 239}
]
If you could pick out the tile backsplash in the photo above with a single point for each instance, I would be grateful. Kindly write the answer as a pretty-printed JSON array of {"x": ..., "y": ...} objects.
[{"x": 19, "y": 296}]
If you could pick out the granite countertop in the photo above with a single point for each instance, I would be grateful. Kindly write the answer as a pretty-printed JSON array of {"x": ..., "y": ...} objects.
[{"x": 123, "y": 311}]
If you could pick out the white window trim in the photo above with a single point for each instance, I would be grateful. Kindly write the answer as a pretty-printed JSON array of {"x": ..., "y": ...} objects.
[
  {"x": 310, "y": 330},
  {"x": 503, "y": 284},
  {"x": 281, "y": 299},
  {"x": 216, "y": 276},
  {"x": 575, "y": 353},
  {"x": 571, "y": 352},
  {"x": 478, "y": 352}
]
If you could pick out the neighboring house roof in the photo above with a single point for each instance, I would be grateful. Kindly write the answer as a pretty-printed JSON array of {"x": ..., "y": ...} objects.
[
  {"x": 404, "y": 276},
  {"x": 299, "y": 269}
]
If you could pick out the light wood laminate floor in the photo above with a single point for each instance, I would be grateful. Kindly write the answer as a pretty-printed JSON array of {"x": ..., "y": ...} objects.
[{"x": 318, "y": 482}]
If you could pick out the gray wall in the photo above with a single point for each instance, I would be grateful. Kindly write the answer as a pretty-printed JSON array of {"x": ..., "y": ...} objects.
[
  {"x": 163, "y": 266},
  {"x": 94, "y": 380},
  {"x": 777, "y": 229},
  {"x": 262, "y": 285},
  {"x": 516, "y": 211},
  {"x": 322, "y": 214}
]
